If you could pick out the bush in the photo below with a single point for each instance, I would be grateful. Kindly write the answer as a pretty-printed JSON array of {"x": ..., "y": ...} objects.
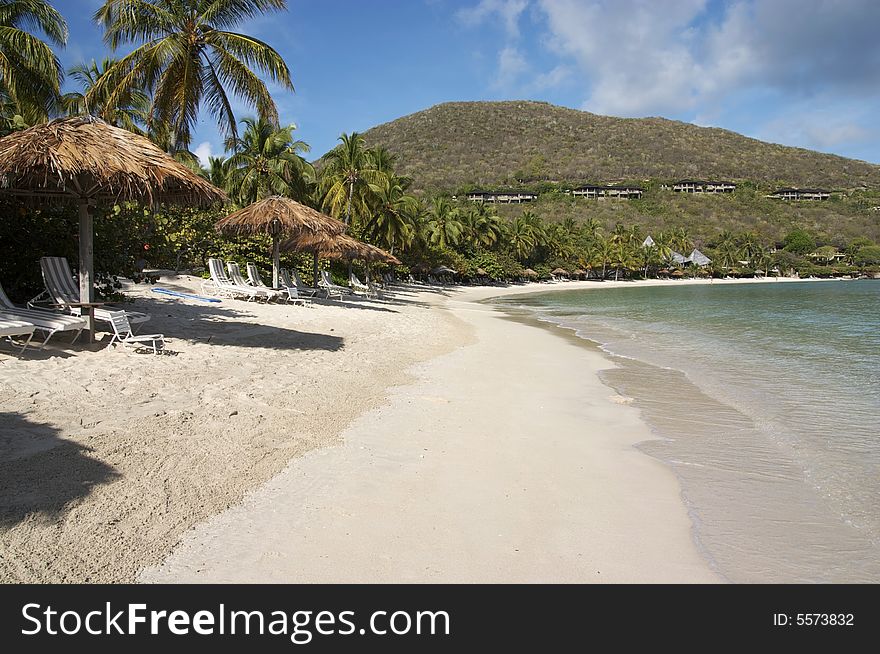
[
  {"x": 799, "y": 241},
  {"x": 868, "y": 255}
]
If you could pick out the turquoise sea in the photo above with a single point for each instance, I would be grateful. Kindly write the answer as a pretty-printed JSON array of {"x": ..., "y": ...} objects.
[{"x": 766, "y": 401}]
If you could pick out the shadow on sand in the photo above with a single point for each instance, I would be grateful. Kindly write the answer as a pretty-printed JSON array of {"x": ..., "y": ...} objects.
[
  {"x": 41, "y": 474},
  {"x": 223, "y": 325}
]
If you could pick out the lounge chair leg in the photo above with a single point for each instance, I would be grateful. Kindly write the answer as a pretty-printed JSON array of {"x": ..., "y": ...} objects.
[{"x": 26, "y": 343}]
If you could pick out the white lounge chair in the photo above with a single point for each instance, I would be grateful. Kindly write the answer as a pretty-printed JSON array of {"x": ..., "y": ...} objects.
[
  {"x": 220, "y": 284},
  {"x": 256, "y": 281},
  {"x": 330, "y": 288},
  {"x": 235, "y": 275},
  {"x": 123, "y": 335},
  {"x": 356, "y": 284},
  {"x": 374, "y": 291},
  {"x": 293, "y": 293},
  {"x": 61, "y": 289},
  {"x": 49, "y": 322},
  {"x": 301, "y": 288},
  {"x": 10, "y": 328}
]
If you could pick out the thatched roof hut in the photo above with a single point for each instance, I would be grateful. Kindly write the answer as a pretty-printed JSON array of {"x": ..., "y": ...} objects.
[
  {"x": 86, "y": 161},
  {"x": 276, "y": 216}
]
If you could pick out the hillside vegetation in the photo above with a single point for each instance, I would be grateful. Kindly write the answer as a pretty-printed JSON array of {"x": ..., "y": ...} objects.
[
  {"x": 460, "y": 145},
  {"x": 838, "y": 220}
]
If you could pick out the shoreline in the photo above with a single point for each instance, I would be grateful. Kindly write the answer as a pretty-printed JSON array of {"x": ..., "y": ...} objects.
[
  {"x": 107, "y": 472},
  {"x": 562, "y": 495},
  {"x": 718, "y": 487}
]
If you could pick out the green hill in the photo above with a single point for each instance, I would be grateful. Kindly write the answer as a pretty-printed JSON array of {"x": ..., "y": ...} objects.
[{"x": 458, "y": 145}]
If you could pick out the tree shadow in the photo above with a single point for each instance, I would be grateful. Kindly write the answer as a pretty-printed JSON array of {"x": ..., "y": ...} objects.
[{"x": 42, "y": 474}]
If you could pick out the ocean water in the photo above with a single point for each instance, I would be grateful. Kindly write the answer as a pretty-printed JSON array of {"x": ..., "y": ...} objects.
[{"x": 766, "y": 401}]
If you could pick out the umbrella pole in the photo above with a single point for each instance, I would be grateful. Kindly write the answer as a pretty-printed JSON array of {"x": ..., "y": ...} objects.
[
  {"x": 276, "y": 262},
  {"x": 315, "y": 270},
  {"x": 86, "y": 264}
]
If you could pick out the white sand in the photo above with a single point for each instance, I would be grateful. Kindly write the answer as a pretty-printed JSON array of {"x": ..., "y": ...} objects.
[
  {"x": 107, "y": 457},
  {"x": 505, "y": 461}
]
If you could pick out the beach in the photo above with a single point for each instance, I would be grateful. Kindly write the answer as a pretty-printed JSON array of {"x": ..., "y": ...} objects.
[
  {"x": 107, "y": 457},
  {"x": 425, "y": 438}
]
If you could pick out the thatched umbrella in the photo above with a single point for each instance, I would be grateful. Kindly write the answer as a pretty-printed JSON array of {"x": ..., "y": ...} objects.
[
  {"x": 372, "y": 253},
  {"x": 559, "y": 271},
  {"x": 278, "y": 215},
  {"x": 528, "y": 272},
  {"x": 337, "y": 246},
  {"x": 87, "y": 161}
]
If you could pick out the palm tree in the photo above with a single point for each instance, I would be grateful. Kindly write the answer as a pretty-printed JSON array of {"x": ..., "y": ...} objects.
[
  {"x": 481, "y": 227},
  {"x": 603, "y": 253},
  {"x": 663, "y": 248},
  {"x": 346, "y": 178},
  {"x": 266, "y": 161},
  {"x": 621, "y": 257},
  {"x": 383, "y": 160},
  {"x": 649, "y": 255},
  {"x": 591, "y": 227},
  {"x": 487, "y": 227},
  {"x": 444, "y": 227},
  {"x": 536, "y": 227},
  {"x": 728, "y": 250},
  {"x": 558, "y": 242},
  {"x": 30, "y": 73},
  {"x": 130, "y": 112},
  {"x": 681, "y": 240},
  {"x": 187, "y": 58},
  {"x": 392, "y": 222},
  {"x": 218, "y": 171},
  {"x": 749, "y": 243},
  {"x": 521, "y": 238},
  {"x": 761, "y": 259}
]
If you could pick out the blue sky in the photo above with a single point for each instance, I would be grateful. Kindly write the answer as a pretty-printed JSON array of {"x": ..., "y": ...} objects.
[{"x": 798, "y": 72}]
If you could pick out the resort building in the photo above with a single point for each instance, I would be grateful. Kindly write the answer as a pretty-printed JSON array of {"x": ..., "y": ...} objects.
[
  {"x": 502, "y": 197},
  {"x": 607, "y": 191},
  {"x": 703, "y": 186},
  {"x": 813, "y": 194}
]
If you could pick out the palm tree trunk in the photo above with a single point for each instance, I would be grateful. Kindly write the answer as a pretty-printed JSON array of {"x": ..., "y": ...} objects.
[{"x": 348, "y": 204}]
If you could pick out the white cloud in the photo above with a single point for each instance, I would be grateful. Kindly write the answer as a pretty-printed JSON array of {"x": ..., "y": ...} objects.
[
  {"x": 634, "y": 56},
  {"x": 508, "y": 11},
  {"x": 552, "y": 78},
  {"x": 824, "y": 129},
  {"x": 203, "y": 152},
  {"x": 511, "y": 64},
  {"x": 638, "y": 58}
]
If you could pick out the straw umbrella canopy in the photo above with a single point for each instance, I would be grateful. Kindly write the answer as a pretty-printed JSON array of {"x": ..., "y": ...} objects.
[
  {"x": 86, "y": 161},
  {"x": 528, "y": 272},
  {"x": 559, "y": 271},
  {"x": 337, "y": 246},
  {"x": 370, "y": 253},
  {"x": 276, "y": 216}
]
